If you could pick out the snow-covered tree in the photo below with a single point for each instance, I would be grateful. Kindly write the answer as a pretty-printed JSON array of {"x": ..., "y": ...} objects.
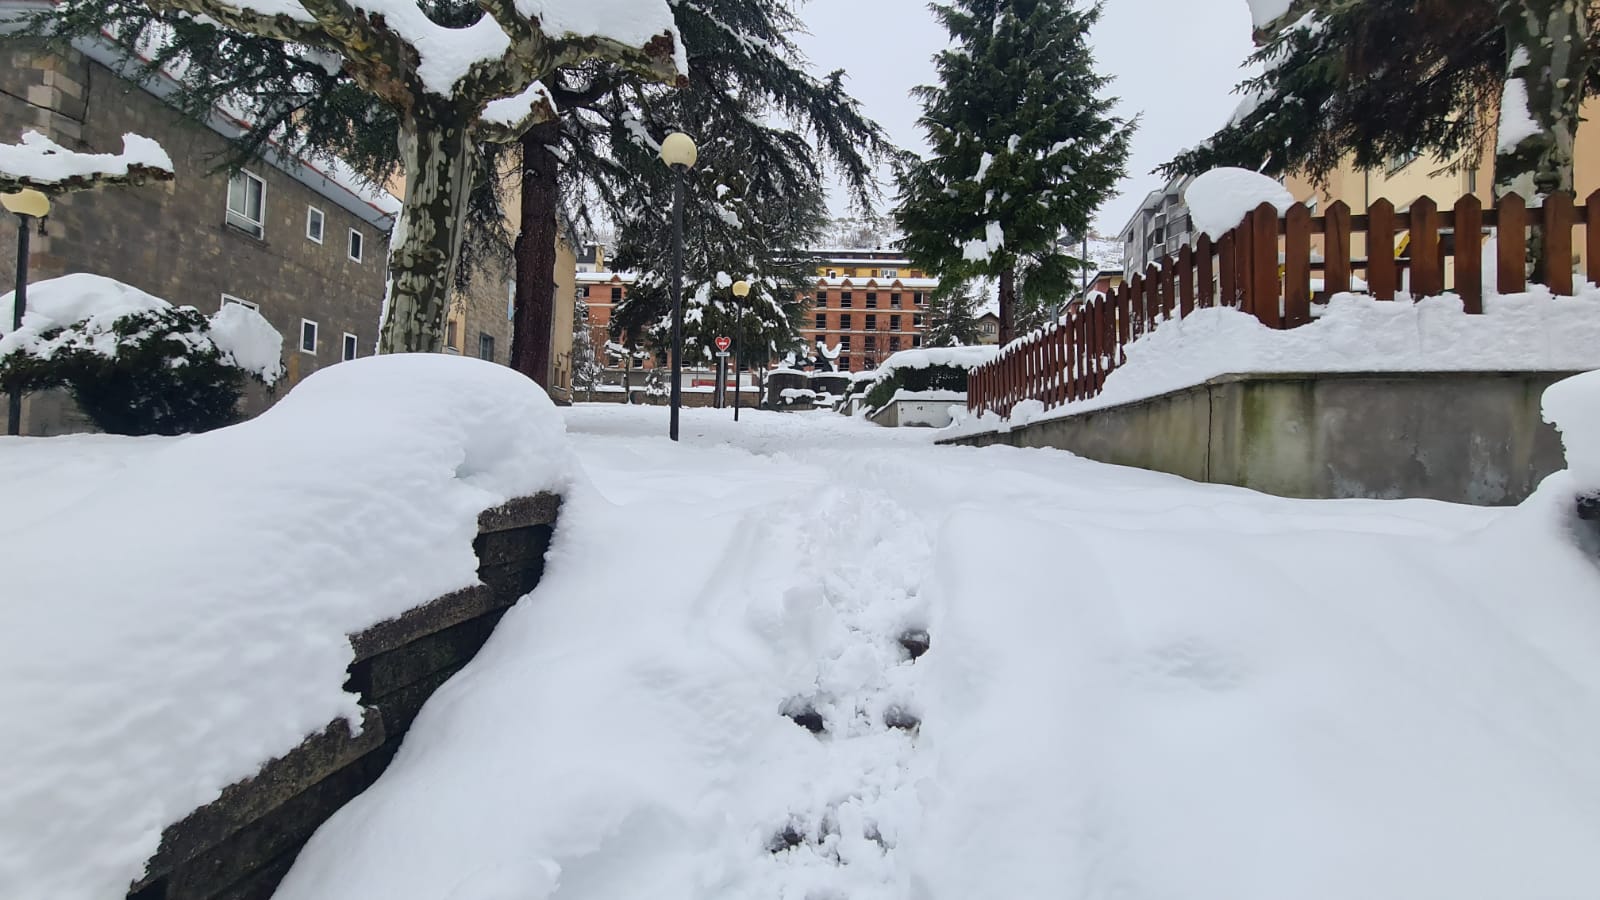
[
  {"x": 1024, "y": 149},
  {"x": 586, "y": 367},
  {"x": 952, "y": 315},
  {"x": 447, "y": 76},
  {"x": 1380, "y": 79}
]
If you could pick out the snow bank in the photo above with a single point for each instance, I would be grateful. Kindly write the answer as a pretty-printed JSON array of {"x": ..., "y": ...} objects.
[
  {"x": 163, "y": 636},
  {"x": 98, "y": 302},
  {"x": 922, "y": 358},
  {"x": 1519, "y": 332},
  {"x": 1573, "y": 406},
  {"x": 1219, "y": 199},
  {"x": 42, "y": 161}
]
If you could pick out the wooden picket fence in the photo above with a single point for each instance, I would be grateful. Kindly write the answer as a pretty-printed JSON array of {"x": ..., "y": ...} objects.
[{"x": 1264, "y": 267}]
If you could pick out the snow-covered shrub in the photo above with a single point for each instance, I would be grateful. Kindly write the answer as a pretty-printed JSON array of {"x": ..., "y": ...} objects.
[
  {"x": 926, "y": 378},
  {"x": 135, "y": 363}
]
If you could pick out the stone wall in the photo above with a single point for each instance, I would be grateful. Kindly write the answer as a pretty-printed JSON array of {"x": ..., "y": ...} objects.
[
  {"x": 1464, "y": 437},
  {"x": 240, "y": 846}
]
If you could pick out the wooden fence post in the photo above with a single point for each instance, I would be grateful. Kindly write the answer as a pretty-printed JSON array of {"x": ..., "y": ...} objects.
[
  {"x": 1380, "y": 249},
  {"x": 1185, "y": 281},
  {"x": 1591, "y": 238},
  {"x": 1227, "y": 280},
  {"x": 1136, "y": 304},
  {"x": 1124, "y": 327},
  {"x": 1558, "y": 221},
  {"x": 1336, "y": 248},
  {"x": 1244, "y": 269},
  {"x": 1264, "y": 266},
  {"x": 1297, "y": 266},
  {"x": 1511, "y": 244},
  {"x": 1424, "y": 226},
  {"x": 1205, "y": 291},
  {"x": 1152, "y": 296},
  {"x": 1469, "y": 253},
  {"x": 1168, "y": 298}
]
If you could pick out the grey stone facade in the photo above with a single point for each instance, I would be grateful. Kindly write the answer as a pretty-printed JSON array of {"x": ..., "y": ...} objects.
[{"x": 173, "y": 240}]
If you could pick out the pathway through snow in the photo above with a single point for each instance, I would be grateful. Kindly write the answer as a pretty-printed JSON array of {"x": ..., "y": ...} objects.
[{"x": 1137, "y": 687}]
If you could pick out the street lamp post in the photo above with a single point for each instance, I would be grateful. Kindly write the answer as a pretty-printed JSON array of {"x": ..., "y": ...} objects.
[
  {"x": 741, "y": 290},
  {"x": 28, "y": 205},
  {"x": 679, "y": 153}
]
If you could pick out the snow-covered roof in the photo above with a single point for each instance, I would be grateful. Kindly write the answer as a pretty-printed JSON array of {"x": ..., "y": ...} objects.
[
  {"x": 607, "y": 277},
  {"x": 910, "y": 284}
]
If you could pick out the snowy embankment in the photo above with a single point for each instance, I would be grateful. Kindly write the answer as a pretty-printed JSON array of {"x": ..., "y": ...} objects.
[
  {"x": 1137, "y": 687},
  {"x": 175, "y": 609},
  {"x": 1531, "y": 332}
]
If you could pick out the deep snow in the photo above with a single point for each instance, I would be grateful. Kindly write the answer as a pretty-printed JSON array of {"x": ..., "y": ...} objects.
[{"x": 1138, "y": 687}]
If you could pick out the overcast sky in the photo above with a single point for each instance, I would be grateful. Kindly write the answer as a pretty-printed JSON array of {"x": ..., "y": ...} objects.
[{"x": 1175, "y": 63}]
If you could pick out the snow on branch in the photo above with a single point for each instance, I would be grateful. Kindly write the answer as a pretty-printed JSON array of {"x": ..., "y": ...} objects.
[
  {"x": 44, "y": 165},
  {"x": 508, "y": 118}
]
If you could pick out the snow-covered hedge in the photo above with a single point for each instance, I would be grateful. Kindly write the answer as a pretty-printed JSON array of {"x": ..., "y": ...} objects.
[
  {"x": 926, "y": 369},
  {"x": 135, "y": 363}
]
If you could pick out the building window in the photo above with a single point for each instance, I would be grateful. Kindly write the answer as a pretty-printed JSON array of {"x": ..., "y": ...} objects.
[
  {"x": 616, "y": 295},
  {"x": 889, "y": 273},
  {"x": 845, "y": 300},
  {"x": 314, "y": 223},
  {"x": 894, "y": 323},
  {"x": 822, "y": 321},
  {"x": 833, "y": 273},
  {"x": 844, "y": 363},
  {"x": 844, "y": 321},
  {"x": 822, "y": 298},
  {"x": 844, "y": 342},
  {"x": 916, "y": 321},
  {"x": 355, "y": 245},
  {"x": 349, "y": 346},
  {"x": 247, "y": 196},
  {"x": 872, "y": 322},
  {"x": 916, "y": 340},
  {"x": 894, "y": 300},
  {"x": 872, "y": 300},
  {"x": 894, "y": 344},
  {"x": 1396, "y": 163},
  {"x": 916, "y": 298},
  {"x": 872, "y": 343},
  {"x": 308, "y": 336},
  {"x": 229, "y": 298},
  {"x": 450, "y": 334},
  {"x": 486, "y": 346},
  {"x": 1472, "y": 180},
  {"x": 511, "y": 299}
]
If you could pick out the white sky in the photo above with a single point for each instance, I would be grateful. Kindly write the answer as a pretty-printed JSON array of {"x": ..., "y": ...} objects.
[{"x": 1175, "y": 62}]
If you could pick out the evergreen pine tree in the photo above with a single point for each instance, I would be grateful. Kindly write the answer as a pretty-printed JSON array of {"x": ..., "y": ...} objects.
[
  {"x": 1374, "y": 80},
  {"x": 1024, "y": 149},
  {"x": 952, "y": 315},
  {"x": 586, "y": 365}
]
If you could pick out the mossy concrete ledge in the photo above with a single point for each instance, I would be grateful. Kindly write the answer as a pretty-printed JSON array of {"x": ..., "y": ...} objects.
[
  {"x": 240, "y": 846},
  {"x": 1464, "y": 437}
]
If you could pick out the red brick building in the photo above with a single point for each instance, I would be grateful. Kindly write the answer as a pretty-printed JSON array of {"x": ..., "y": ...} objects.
[{"x": 866, "y": 305}]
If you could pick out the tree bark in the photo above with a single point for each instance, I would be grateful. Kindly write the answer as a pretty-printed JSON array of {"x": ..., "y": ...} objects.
[
  {"x": 436, "y": 149},
  {"x": 1548, "y": 61},
  {"x": 536, "y": 255},
  {"x": 1008, "y": 304}
]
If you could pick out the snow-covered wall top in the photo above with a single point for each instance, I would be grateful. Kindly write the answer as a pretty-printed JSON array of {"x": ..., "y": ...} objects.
[
  {"x": 1573, "y": 406},
  {"x": 170, "y": 630},
  {"x": 1219, "y": 199},
  {"x": 923, "y": 357},
  {"x": 39, "y": 162}
]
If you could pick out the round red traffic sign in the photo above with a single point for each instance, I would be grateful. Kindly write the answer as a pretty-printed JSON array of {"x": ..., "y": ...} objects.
[{"x": 724, "y": 343}]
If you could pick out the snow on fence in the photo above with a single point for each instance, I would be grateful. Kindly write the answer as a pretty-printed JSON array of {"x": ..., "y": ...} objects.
[{"x": 1264, "y": 267}]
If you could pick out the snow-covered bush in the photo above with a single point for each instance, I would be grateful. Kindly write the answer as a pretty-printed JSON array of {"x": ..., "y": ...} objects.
[
  {"x": 135, "y": 363},
  {"x": 925, "y": 369}
]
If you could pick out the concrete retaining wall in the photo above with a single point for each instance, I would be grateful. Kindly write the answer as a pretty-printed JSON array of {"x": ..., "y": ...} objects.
[
  {"x": 240, "y": 846},
  {"x": 1466, "y": 437},
  {"x": 915, "y": 413}
]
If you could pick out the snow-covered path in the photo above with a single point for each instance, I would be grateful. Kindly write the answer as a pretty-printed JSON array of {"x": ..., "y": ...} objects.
[{"x": 1136, "y": 687}]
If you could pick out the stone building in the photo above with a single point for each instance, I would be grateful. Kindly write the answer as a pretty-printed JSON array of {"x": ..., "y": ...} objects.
[{"x": 305, "y": 243}]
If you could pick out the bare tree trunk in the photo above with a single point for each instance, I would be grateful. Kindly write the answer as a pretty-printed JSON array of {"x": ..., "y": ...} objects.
[
  {"x": 1008, "y": 304},
  {"x": 437, "y": 151},
  {"x": 536, "y": 255}
]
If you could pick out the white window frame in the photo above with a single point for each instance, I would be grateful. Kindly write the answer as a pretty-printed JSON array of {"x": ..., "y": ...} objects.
[
  {"x": 349, "y": 347},
  {"x": 316, "y": 332},
  {"x": 322, "y": 224},
  {"x": 256, "y": 228},
  {"x": 229, "y": 298},
  {"x": 357, "y": 242}
]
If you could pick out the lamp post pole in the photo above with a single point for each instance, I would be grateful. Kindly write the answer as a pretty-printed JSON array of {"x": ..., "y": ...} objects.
[
  {"x": 678, "y": 152},
  {"x": 741, "y": 290},
  {"x": 28, "y": 206}
]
